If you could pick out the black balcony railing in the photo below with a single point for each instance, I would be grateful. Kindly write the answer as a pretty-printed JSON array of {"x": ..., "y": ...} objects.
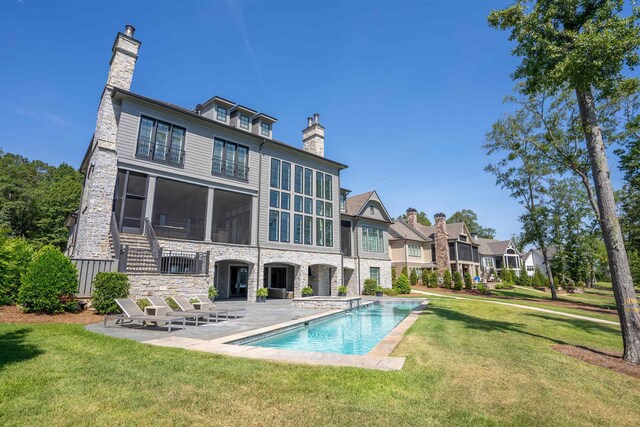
[
  {"x": 179, "y": 262},
  {"x": 229, "y": 169},
  {"x": 160, "y": 153},
  {"x": 178, "y": 230}
]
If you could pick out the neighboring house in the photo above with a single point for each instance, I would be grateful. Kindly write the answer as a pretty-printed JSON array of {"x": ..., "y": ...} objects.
[
  {"x": 440, "y": 247},
  {"x": 212, "y": 197},
  {"x": 534, "y": 258},
  {"x": 496, "y": 255},
  {"x": 364, "y": 237}
]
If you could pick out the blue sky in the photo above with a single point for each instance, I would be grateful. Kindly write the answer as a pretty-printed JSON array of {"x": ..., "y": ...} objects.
[{"x": 406, "y": 89}]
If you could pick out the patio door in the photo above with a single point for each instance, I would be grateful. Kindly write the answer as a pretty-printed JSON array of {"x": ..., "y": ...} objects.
[
  {"x": 129, "y": 203},
  {"x": 238, "y": 279}
]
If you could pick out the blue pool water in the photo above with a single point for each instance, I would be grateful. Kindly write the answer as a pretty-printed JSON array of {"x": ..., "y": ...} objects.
[{"x": 356, "y": 331}]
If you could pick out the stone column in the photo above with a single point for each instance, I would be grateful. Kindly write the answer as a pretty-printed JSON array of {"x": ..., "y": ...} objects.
[
  {"x": 253, "y": 278},
  {"x": 336, "y": 280},
  {"x": 442, "y": 244},
  {"x": 101, "y": 168},
  {"x": 301, "y": 280},
  {"x": 412, "y": 217},
  {"x": 149, "y": 198},
  {"x": 313, "y": 136}
]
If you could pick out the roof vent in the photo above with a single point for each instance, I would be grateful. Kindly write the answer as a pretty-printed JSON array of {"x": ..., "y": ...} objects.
[{"x": 129, "y": 30}]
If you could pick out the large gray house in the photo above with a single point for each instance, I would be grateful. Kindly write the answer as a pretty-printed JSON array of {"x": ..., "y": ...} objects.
[{"x": 188, "y": 198}]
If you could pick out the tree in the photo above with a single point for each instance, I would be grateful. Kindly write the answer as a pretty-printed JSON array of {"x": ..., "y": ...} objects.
[
  {"x": 413, "y": 277},
  {"x": 583, "y": 45},
  {"x": 35, "y": 198},
  {"x": 523, "y": 278},
  {"x": 426, "y": 277},
  {"x": 446, "y": 279},
  {"x": 468, "y": 283},
  {"x": 422, "y": 218},
  {"x": 457, "y": 280},
  {"x": 470, "y": 218},
  {"x": 524, "y": 173}
]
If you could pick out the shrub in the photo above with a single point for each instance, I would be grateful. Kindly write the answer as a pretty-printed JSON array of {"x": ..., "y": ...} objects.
[
  {"x": 524, "y": 279},
  {"x": 457, "y": 280},
  {"x": 404, "y": 270},
  {"x": 370, "y": 286},
  {"x": 262, "y": 292},
  {"x": 49, "y": 278},
  {"x": 426, "y": 277},
  {"x": 482, "y": 288},
  {"x": 468, "y": 283},
  {"x": 342, "y": 289},
  {"x": 446, "y": 279},
  {"x": 402, "y": 285},
  {"x": 106, "y": 288},
  {"x": 539, "y": 279},
  {"x": 307, "y": 290},
  {"x": 212, "y": 292},
  {"x": 15, "y": 256},
  {"x": 390, "y": 292},
  {"x": 393, "y": 275},
  {"x": 433, "y": 282},
  {"x": 379, "y": 290},
  {"x": 413, "y": 277}
]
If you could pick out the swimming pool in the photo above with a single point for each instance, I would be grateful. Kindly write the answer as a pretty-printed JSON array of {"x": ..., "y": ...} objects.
[{"x": 355, "y": 331}]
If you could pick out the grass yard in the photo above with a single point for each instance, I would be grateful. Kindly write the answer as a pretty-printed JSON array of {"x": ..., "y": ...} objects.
[{"x": 467, "y": 364}]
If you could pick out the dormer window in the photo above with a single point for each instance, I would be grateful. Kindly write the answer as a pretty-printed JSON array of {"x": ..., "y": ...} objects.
[
  {"x": 221, "y": 113},
  {"x": 372, "y": 210},
  {"x": 265, "y": 129},
  {"x": 343, "y": 199},
  {"x": 244, "y": 121},
  {"x": 463, "y": 238}
]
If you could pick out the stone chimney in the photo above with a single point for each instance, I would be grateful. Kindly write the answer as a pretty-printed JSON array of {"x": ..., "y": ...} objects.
[
  {"x": 412, "y": 217},
  {"x": 101, "y": 166},
  {"x": 442, "y": 244},
  {"x": 313, "y": 136}
]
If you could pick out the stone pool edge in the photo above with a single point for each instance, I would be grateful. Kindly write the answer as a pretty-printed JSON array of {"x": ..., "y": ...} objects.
[{"x": 378, "y": 358}]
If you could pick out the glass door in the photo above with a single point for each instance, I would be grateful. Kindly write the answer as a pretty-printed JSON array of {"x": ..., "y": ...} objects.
[{"x": 238, "y": 279}]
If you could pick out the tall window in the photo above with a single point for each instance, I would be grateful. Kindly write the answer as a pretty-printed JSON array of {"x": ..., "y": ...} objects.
[
  {"x": 231, "y": 217},
  {"x": 372, "y": 239},
  {"x": 319, "y": 184},
  {"x": 286, "y": 176},
  {"x": 161, "y": 142},
  {"x": 230, "y": 160},
  {"x": 274, "y": 217},
  {"x": 374, "y": 273},
  {"x": 284, "y": 227},
  {"x": 328, "y": 233},
  {"x": 298, "y": 179},
  {"x": 343, "y": 201},
  {"x": 297, "y": 203},
  {"x": 308, "y": 182},
  {"x": 319, "y": 231},
  {"x": 275, "y": 173},
  {"x": 221, "y": 113},
  {"x": 244, "y": 122},
  {"x": 328, "y": 187},
  {"x": 308, "y": 230},
  {"x": 297, "y": 229},
  {"x": 265, "y": 129}
]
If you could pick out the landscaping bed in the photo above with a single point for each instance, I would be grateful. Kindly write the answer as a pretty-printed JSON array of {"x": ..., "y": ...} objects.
[{"x": 12, "y": 314}]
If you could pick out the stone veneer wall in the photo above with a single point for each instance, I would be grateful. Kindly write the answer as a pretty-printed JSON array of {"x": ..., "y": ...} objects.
[
  {"x": 385, "y": 270},
  {"x": 164, "y": 285},
  {"x": 442, "y": 244},
  {"x": 313, "y": 139}
]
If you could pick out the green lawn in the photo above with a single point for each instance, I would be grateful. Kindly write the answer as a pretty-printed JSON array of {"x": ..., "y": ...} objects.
[{"x": 467, "y": 364}]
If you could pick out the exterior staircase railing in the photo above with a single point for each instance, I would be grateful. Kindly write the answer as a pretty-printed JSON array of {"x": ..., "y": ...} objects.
[
  {"x": 119, "y": 251},
  {"x": 156, "y": 249}
]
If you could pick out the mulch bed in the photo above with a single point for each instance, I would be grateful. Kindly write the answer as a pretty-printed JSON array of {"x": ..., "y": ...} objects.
[
  {"x": 12, "y": 314},
  {"x": 606, "y": 359}
]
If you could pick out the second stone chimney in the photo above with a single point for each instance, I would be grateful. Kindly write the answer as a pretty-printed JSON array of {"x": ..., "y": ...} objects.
[
  {"x": 412, "y": 217},
  {"x": 442, "y": 244},
  {"x": 313, "y": 136}
]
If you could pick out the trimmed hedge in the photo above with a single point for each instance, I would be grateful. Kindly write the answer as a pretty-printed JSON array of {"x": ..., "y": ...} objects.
[
  {"x": 49, "y": 279},
  {"x": 106, "y": 288}
]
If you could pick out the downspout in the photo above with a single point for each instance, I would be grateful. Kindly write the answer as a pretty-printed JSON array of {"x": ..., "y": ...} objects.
[
  {"x": 406, "y": 257},
  {"x": 258, "y": 224}
]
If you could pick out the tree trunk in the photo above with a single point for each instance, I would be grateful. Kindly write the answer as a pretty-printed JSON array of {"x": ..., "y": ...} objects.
[
  {"x": 626, "y": 299},
  {"x": 547, "y": 266}
]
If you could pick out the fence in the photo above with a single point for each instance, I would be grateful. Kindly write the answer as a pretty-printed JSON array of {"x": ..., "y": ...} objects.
[{"x": 87, "y": 270}]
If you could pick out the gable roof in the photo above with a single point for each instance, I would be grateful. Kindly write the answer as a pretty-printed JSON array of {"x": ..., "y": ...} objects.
[
  {"x": 551, "y": 252},
  {"x": 355, "y": 205},
  {"x": 400, "y": 230}
]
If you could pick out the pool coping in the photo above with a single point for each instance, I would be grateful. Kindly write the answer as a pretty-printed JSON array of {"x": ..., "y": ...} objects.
[{"x": 378, "y": 358}]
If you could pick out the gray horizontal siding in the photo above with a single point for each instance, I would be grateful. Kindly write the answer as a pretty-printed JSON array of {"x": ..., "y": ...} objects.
[
  {"x": 363, "y": 222},
  {"x": 198, "y": 145}
]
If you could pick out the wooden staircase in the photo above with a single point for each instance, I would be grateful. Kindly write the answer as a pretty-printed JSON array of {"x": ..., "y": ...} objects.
[{"x": 139, "y": 256}]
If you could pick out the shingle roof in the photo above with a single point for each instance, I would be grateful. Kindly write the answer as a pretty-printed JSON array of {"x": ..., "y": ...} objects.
[
  {"x": 354, "y": 204},
  {"x": 402, "y": 230},
  {"x": 493, "y": 246}
]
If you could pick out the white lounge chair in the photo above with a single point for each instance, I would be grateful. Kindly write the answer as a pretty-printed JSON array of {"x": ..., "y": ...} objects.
[{"x": 132, "y": 313}]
